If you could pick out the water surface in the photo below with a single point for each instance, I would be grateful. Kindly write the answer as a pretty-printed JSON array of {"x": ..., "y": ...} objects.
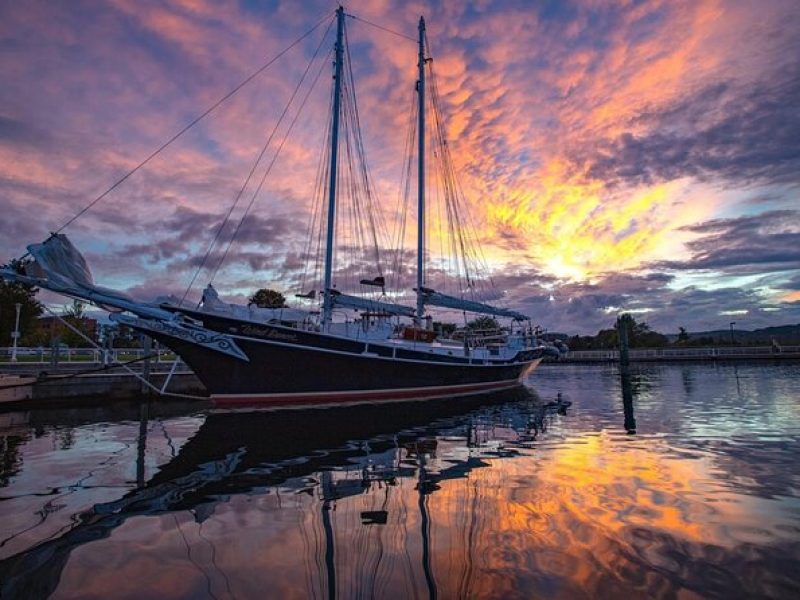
[{"x": 680, "y": 482}]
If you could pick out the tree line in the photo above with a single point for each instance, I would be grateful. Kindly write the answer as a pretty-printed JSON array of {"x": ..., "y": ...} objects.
[
  {"x": 639, "y": 336},
  {"x": 33, "y": 334}
]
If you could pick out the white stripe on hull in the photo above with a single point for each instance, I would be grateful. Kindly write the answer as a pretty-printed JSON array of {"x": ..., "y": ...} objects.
[{"x": 338, "y": 398}]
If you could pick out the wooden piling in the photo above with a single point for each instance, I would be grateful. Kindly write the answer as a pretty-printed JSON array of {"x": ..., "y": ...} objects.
[{"x": 147, "y": 347}]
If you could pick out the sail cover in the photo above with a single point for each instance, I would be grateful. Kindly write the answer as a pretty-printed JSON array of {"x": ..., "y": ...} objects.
[
  {"x": 339, "y": 299},
  {"x": 433, "y": 298},
  {"x": 62, "y": 268},
  {"x": 58, "y": 261},
  {"x": 212, "y": 303}
]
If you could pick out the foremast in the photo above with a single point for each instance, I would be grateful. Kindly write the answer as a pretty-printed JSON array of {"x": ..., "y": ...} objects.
[
  {"x": 327, "y": 303},
  {"x": 421, "y": 174}
]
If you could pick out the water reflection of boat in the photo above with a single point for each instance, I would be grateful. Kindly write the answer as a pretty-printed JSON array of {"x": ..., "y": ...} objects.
[{"x": 242, "y": 453}]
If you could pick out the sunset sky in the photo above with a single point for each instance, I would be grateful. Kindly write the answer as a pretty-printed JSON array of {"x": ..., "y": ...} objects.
[{"x": 616, "y": 156}]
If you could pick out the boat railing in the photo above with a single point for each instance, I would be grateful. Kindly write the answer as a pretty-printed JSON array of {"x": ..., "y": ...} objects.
[{"x": 480, "y": 337}]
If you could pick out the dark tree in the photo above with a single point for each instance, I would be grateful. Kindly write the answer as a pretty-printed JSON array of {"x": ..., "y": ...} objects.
[
  {"x": 75, "y": 315},
  {"x": 581, "y": 342},
  {"x": 483, "y": 322},
  {"x": 606, "y": 339},
  {"x": 17, "y": 293},
  {"x": 125, "y": 337},
  {"x": 639, "y": 336},
  {"x": 703, "y": 341},
  {"x": 644, "y": 337},
  {"x": 265, "y": 298},
  {"x": 444, "y": 329},
  {"x": 649, "y": 339}
]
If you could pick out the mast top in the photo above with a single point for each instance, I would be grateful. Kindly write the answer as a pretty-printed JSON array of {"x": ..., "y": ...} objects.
[{"x": 421, "y": 173}]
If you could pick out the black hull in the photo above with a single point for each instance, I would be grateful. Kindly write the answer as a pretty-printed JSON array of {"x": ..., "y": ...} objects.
[{"x": 290, "y": 366}]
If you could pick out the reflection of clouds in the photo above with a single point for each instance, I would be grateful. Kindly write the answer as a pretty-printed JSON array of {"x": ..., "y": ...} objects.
[
  {"x": 699, "y": 500},
  {"x": 598, "y": 507},
  {"x": 93, "y": 464}
]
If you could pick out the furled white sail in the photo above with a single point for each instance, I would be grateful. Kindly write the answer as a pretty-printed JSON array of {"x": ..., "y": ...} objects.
[
  {"x": 212, "y": 304},
  {"x": 345, "y": 300},
  {"x": 57, "y": 260},
  {"x": 434, "y": 298}
]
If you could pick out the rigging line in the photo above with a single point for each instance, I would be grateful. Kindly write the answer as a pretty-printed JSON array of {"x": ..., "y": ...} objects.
[
  {"x": 406, "y": 191},
  {"x": 314, "y": 235},
  {"x": 319, "y": 259},
  {"x": 445, "y": 255},
  {"x": 252, "y": 171},
  {"x": 371, "y": 207},
  {"x": 481, "y": 265},
  {"x": 313, "y": 213},
  {"x": 319, "y": 200},
  {"x": 386, "y": 29},
  {"x": 272, "y": 162},
  {"x": 399, "y": 203},
  {"x": 357, "y": 247},
  {"x": 193, "y": 123},
  {"x": 456, "y": 195},
  {"x": 401, "y": 211},
  {"x": 445, "y": 176}
]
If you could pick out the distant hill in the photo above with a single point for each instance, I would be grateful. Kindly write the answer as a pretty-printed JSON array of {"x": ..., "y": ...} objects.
[{"x": 784, "y": 334}]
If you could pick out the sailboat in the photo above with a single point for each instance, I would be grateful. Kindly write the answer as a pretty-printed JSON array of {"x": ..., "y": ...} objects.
[{"x": 249, "y": 355}]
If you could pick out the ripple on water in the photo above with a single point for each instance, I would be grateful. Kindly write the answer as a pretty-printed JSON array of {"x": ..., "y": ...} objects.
[{"x": 493, "y": 498}]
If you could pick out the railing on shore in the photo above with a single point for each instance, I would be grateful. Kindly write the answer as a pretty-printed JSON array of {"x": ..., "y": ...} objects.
[
  {"x": 49, "y": 355},
  {"x": 700, "y": 353}
]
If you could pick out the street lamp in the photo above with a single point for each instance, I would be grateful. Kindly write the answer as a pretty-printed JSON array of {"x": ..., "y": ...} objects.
[
  {"x": 732, "y": 324},
  {"x": 15, "y": 334}
]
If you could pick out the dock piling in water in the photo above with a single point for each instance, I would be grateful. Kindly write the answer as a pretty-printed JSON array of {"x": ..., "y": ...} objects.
[
  {"x": 623, "y": 327},
  {"x": 147, "y": 347}
]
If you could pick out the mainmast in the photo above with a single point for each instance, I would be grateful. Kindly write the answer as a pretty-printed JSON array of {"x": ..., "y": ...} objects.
[
  {"x": 421, "y": 174},
  {"x": 327, "y": 304}
]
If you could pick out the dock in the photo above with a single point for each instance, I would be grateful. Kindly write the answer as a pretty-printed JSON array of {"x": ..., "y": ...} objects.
[
  {"x": 85, "y": 377},
  {"x": 672, "y": 354}
]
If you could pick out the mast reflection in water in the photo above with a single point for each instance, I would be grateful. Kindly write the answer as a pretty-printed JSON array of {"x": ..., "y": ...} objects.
[{"x": 510, "y": 495}]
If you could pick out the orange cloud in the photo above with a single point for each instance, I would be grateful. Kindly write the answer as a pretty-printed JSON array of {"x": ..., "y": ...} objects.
[{"x": 791, "y": 296}]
